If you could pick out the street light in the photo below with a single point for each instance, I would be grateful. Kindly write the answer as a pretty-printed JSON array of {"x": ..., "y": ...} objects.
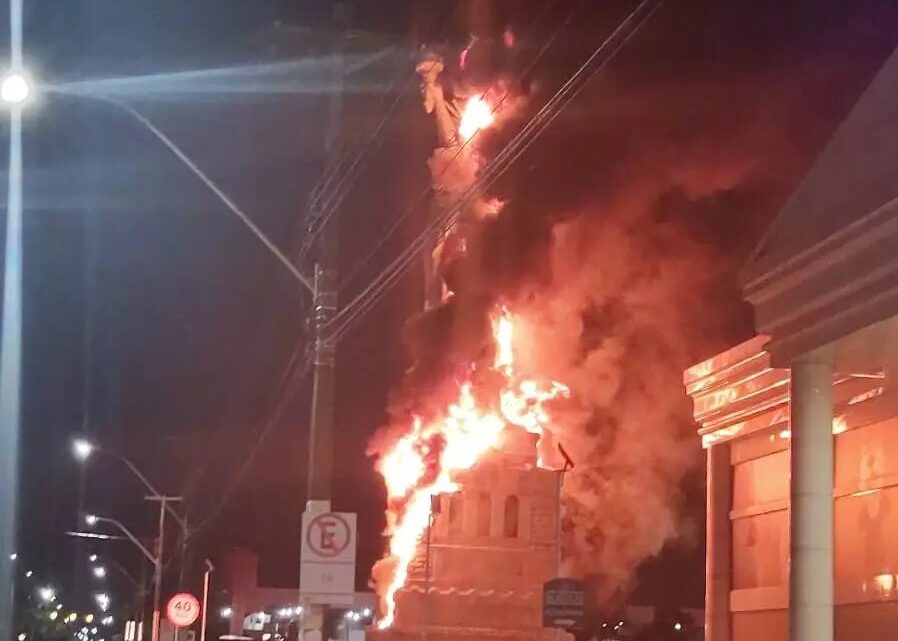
[
  {"x": 99, "y": 572},
  {"x": 102, "y": 600},
  {"x": 82, "y": 448},
  {"x": 13, "y": 93},
  {"x": 46, "y": 594},
  {"x": 155, "y": 559},
  {"x": 14, "y": 89}
]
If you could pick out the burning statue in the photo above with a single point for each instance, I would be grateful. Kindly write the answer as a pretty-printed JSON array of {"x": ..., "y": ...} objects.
[{"x": 453, "y": 168}]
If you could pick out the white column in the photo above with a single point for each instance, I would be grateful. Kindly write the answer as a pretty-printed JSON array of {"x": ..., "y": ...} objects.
[
  {"x": 811, "y": 546},
  {"x": 718, "y": 550}
]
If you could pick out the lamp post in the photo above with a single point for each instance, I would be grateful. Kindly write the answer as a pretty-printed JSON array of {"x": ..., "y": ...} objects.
[
  {"x": 14, "y": 91},
  {"x": 83, "y": 449},
  {"x": 154, "y": 559},
  {"x": 209, "y": 568}
]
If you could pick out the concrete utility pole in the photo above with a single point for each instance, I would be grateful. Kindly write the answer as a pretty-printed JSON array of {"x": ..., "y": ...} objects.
[
  {"x": 321, "y": 438},
  {"x": 321, "y": 428},
  {"x": 160, "y": 545}
]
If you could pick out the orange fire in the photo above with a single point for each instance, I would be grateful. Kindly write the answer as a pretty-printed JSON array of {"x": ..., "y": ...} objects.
[
  {"x": 427, "y": 460},
  {"x": 475, "y": 116}
]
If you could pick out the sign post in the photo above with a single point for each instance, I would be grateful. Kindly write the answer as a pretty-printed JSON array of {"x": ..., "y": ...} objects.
[
  {"x": 327, "y": 572},
  {"x": 564, "y": 604},
  {"x": 182, "y": 610}
]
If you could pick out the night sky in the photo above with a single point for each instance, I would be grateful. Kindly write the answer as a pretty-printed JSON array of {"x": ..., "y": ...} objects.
[{"x": 156, "y": 323}]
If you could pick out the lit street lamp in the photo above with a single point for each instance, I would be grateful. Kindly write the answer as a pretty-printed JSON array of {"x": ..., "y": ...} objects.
[
  {"x": 46, "y": 594},
  {"x": 154, "y": 559},
  {"x": 14, "y": 89},
  {"x": 13, "y": 93},
  {"x": 99, "y": 572},
  {"x": 83, "y": 449}
]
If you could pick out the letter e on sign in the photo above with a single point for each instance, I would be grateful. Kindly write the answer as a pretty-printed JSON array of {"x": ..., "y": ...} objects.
[
  {"x": 328, "y": 535},
  {"x": 182, "y": 610}
]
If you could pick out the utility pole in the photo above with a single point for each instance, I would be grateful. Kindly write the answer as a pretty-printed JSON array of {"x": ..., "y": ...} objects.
[
  {"x": 160, "y": 548},
  {"x": 321, "y": 428},
  {"x": 321, "y": 437}
]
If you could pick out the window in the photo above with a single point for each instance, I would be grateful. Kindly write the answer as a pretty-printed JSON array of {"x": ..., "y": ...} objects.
[
  {"x": 456, "y": 513},
  {"x": 512, "y": 507},
  {"x": 484, "y": 507}
]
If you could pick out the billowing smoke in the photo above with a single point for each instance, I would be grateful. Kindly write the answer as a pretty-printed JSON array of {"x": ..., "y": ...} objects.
[{"x": 617, "y": 250}]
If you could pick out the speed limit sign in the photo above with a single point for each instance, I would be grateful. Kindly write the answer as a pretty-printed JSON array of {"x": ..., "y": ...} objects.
[{"x": 182, "y": 610}]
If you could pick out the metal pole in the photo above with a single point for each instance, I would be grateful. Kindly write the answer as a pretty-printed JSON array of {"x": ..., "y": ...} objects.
[
  {"x": 209, "y": 568},
  {"x": 11, "y": 375},
  {"x": 425, "y": 606},
  {"x": 558, "y": 489},
  {"x": 157, "y": 571},
  {"x": 160, "y": 548},
  {"x": 558, "y": 494}
]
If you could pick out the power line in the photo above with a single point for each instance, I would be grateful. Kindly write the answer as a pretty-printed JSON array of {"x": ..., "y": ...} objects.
[
  {"x": 322, "y": 207},
  {"x": 531, "y": 131},
  {"x": 320, "y": 213},
  {"x": 426, "y": 191},
  {"x": 295, "y": 378}
]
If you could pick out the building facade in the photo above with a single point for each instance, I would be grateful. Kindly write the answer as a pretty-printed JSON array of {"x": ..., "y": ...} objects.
[
  {"x": 800, "y": 424},
  {"x": 492, "y": 546}
]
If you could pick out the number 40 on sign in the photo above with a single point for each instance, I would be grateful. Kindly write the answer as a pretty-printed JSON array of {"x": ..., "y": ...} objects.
[{"x": 182, "y": 610}]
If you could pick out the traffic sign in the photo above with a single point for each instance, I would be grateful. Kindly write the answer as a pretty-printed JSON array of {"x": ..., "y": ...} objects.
[
  {"x": 564, "y": 604},
  {"x": 182, "y": 609},
  {"x": 327, "y": 572}
]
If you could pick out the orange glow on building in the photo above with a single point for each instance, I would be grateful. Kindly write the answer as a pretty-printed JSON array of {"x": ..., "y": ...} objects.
[{"x": 428, "y": 459}]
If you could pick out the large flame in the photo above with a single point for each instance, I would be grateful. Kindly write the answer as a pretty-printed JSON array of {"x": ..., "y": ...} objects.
[
  {"x": 427, "y": 460},
  {"x": 475, "y": 116}
]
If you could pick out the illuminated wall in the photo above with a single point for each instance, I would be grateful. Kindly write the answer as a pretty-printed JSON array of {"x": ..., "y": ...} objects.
[{"x": 742, "y": 404}]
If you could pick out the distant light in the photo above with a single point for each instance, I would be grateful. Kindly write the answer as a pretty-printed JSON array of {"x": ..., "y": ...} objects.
[
  {"x": 366, "y": 612},
  {"x": 46, "y": 593},
  {"x": 59, "y": 606},
  {"x": 93, "y": 630},
  {"x": 226, "y": 612},
  {"x": 91, "y": 519},
  {"x": 22, "y": 636},
  {"x": 266, "y": 636},
  {"x": 53, "y": 615},
  {"x": 99, "y": 572},
  {"x": 356, "y": 616},
  {"x": 13, "y": 556},
  {"x": 88, "y": 618},
  {"x": 82, "y": 449},
  {"x": 108, "y": 620},
  {"x": 29, "y": 574},
  {"x": 678, "y": 626},
  {"x": 14, "y": 89},
  {"x": 348, "y": 614},
  {"x": 102, "y": 601},
  {"x": 285, "y": 612},
  {"x": 92, "y": 558}
]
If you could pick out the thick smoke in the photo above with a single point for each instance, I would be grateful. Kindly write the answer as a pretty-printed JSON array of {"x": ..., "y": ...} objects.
[{"x": 617, "y": 252}]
